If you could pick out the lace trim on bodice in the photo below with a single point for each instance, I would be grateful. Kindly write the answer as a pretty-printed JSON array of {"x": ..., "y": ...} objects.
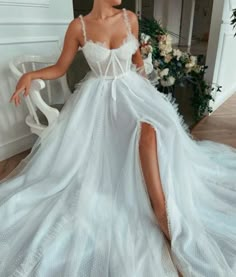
[{"x": 104, "y": 46}]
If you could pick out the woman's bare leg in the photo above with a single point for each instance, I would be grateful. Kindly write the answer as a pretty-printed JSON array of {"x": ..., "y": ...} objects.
[{"x": 150, "y": 167}]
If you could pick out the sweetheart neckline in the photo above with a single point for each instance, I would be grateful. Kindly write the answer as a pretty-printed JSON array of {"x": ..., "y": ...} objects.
[{"x": 101, "y": 44}]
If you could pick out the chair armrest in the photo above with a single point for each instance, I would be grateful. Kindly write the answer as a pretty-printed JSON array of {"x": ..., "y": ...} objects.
[
  {"x": 50, "y": 113},
  {"x": 38, "y": 84}
]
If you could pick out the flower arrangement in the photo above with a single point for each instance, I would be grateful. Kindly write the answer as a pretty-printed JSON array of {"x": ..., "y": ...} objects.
[{"x": 168, "y": 67}]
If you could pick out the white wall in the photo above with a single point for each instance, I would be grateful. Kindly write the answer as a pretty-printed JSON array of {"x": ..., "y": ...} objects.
[
  {"x": 221, "y": 58},
  {"x": 169, "y": 13},
  {"x": 26, "y": 27}
]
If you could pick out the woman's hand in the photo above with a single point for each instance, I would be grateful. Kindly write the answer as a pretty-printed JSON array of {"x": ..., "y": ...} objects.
[{"x": 23, "y": 86}]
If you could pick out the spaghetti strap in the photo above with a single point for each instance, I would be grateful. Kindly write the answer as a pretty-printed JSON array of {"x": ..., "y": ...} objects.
[
  {"x": 126, "y": 19},
  {"x": 83, "y": 28}
]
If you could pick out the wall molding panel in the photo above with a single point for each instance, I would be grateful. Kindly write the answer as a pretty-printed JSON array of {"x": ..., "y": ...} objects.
[
  {"x": 33, "y": 22},
  {"x": 26, "y": 3},
  {"x": 29, "y": 40},
  {"x": 35, "y": 27},
  {"x": 226, "y": 36},
  {"x": 223, "y": 62}
]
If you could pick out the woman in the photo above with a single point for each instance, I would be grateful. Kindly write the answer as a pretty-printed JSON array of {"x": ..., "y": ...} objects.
[{"x": 119, "y": 178}]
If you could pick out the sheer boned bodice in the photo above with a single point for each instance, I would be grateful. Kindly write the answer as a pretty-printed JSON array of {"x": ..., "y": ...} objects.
[{"x": 110, "y": 62}]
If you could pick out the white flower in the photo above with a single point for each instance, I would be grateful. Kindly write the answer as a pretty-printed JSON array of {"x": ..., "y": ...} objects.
[
  {"x": 168, "y": 39},
  {"x": 191, "y": 64},
  {"x": 150, "y": 48},
  {"x": 169, "y": 82},
  {"x": 148, "y": 64},
  {"x": 154, "y": 77},
  {"x": 144, "y": 38},
  {"x": 164, "y": 72},
  {"x": 165, "y": 44},
  {"x": 156, "y": 63},
  {"x": 146, "y": 50},
  {"x": 168, "y": 58},
  {"x": 193, "y": 59},
  {"x": 177, "y": 53},
  {"x": 165, "y": 49},
  {"x": 197, "y": 68}
]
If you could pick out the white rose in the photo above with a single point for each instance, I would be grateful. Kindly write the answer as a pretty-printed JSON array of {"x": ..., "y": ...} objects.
[
  {"x": 177, "y": 53},
  {"x": 192, "y": 63},
  {"x": 145, "y": 38},
  {"x": 148, "y": 64},
  {"x": 168, "y": 58},
  {"x": 150, "y": 48},
  {"x": 168, "y": 39},
  {"x": 165, "y": 48},
  {"x": 156, "y": 63},
  {"x": 164, "y": 72},
  {"x": 189, "y": 65},
  {"x": 165, "y": 52},
  {"x": 169, "y": 82},
  {"x": 193, "y": 59}
]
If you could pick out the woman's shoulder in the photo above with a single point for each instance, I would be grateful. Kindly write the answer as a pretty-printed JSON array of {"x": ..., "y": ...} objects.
[
  {"x": 74, "y": 29},
  {"x": 75, "y": 24},
  {"x": 132, "y": 16}
]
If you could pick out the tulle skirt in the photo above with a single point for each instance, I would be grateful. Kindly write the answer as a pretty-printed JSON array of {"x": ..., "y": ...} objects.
[{"x": 78, "y": 205}]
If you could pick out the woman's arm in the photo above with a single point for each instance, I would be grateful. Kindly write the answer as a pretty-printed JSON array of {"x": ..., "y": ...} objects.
[
  {"x": 137, "y": 57},
  {"x": 70, "y": 47}
]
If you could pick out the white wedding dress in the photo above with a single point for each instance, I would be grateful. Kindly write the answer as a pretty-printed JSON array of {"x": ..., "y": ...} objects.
[{"x": 78, "y": 206}]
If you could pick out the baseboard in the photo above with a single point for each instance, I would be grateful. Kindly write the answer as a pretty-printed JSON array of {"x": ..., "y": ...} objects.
[{"x": 17, "y": 146}]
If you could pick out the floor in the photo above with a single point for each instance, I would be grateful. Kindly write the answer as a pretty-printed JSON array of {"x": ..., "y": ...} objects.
[
  {"x": 8, "y": 165},
  {"x": 220, "y": 126}
]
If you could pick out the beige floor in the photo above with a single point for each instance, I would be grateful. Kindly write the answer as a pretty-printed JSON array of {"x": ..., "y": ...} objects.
[
  {"x": 219, "y": 127},
  {"x": 8, "y": 165}
]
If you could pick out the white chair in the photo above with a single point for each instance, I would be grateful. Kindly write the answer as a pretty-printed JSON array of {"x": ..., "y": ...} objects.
[{"x": 42, "y": 110}]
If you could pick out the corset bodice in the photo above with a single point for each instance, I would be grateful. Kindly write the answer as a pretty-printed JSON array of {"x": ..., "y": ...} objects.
[{"x": 110, "y": 62}]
